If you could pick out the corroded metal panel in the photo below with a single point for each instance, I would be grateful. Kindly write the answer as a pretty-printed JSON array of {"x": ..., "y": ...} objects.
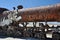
[{"x": 41, "y": 14}]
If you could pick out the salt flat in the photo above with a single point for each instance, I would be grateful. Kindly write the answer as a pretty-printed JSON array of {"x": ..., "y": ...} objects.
[{"x": 9, "y": 38}]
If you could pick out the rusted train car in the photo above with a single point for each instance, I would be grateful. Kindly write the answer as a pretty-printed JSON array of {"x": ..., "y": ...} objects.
[{"x": 44, "y": 13}]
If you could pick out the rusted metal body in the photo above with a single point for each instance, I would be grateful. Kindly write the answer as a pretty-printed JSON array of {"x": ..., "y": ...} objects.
[{"x": 46, "y": 13}]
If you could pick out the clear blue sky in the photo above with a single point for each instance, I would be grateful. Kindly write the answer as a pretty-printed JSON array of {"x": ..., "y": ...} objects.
[{"x": 26, "y": 3}]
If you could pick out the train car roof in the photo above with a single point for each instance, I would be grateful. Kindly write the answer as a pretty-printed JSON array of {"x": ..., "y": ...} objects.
[{"x": 40, "y": 8}]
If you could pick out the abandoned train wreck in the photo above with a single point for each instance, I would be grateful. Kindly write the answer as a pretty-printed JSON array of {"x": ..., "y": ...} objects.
[{"x": 10, "y": 22}]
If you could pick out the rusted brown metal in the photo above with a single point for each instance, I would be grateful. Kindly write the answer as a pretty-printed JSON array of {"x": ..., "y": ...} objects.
[{"x": 46, "y": 13}]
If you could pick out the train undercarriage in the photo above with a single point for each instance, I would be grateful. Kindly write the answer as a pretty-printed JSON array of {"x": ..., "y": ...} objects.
[{"x": 40, "y": 32}]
